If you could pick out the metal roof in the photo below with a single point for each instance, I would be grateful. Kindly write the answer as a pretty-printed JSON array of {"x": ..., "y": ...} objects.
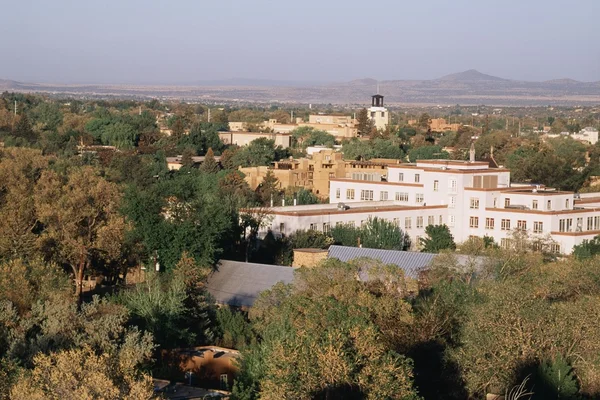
[
  {"x": 238, "y": 284},
  {"x": 411, "y": 262}
]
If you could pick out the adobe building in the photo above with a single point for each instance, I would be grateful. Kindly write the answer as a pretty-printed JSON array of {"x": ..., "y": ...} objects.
[{"x": 316, "y": 172}]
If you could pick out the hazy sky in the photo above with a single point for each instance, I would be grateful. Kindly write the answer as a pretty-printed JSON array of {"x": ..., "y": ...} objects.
[{"x": 151, "y": 41}]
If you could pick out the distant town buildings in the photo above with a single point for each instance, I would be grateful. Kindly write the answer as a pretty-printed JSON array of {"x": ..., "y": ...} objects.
[
  {"x": 438, "y": 125},
  {"x": 244, "y": 138},
  {"x": 587, "y": 135}
]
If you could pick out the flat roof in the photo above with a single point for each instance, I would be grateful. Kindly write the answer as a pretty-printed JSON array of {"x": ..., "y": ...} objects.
[
  {"x": 537, "y": 192},
  {"x": 252, "y": 133},
  {"x": 351, "y": 208}
]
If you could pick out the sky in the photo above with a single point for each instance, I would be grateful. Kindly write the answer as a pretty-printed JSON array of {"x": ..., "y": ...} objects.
[{"x": 187, "y": 41}]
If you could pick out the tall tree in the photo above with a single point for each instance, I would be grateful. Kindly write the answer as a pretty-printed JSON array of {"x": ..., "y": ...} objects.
[
  {"x": 364, "y": 124},
  {"x": 438, "y": 238},
  {"x": 210, "y": 164},
  {"x": 77, "y": 210},
  {"x": 269, "y": 190}
]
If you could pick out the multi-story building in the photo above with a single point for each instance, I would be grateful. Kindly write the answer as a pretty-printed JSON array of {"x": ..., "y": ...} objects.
[
  {"x": 316, "y": 172},
  {"x": 244, "y": 138},
  {"x": 473, "y": 199}
]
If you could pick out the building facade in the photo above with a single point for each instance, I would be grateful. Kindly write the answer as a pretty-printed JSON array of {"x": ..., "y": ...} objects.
[
  {"x": 471, "y": 198},
  {"x": 245, "y": 138}
]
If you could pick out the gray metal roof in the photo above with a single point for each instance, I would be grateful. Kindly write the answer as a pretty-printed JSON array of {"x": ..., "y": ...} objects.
[
  {"x": 238, "y": 283},
  {"x": 411, "y": 262}
]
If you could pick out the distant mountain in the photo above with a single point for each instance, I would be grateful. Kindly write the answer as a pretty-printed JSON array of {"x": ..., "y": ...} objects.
[
  {"x": 467, "y": 88},
  {"x": 471, "y": 75}
]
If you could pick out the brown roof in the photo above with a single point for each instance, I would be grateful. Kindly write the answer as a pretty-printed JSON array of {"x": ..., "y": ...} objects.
[
  {"x": 354, "y": 210},
  {"x": 378, "y": 182}
]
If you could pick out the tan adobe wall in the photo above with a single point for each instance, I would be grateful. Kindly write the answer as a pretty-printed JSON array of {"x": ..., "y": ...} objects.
[{"x": 308, "y": 257}]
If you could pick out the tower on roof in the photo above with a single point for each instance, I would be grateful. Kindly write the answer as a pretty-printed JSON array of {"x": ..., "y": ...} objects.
[{"x": 377, "y": 112}]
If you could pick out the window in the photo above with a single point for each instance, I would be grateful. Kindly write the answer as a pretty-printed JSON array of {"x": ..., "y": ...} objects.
[
  {"x": 417, "y": 178},
  {"x": 506, "y": 202},
  {"x": 407, "y": 223},
  {"x": 452, "y": 185},
  {"x": 452, "y": 202},
  {"x": 430, "y": 220},
  {"x": 451, "y": 220},
  {"x": 495, "y": 202},
  {"x": 401, "y": 196},
  {"x": 474, "y": 222},
  {"x": 441, "y": 220},
  {"x": 383, "y": 114},
  {"x": 474, "y": 203},
  {"x": 281, "y": 227},
  {"x": 419, "y": 222},
  {"x": 350, "y": 194},
  {"x": 396, "y": 221},
  {"x": 567, "y": 204},
  {"x": 505, "y": 243},
  {"x": 366, "y": 195},
  {"x": 534, "y": 205},
  {"x": 224, "y": 382},
  {"x": 401, "y": 177},
  {"x": 326, "y": 227},
  {"x": 549, "y": 205},
  {"x": 579, "y": 226},
  {"x": 419, "y": 198},
  {"x": 565, "y": 225},
  {"x": 522, "y": 225},
  {"x": 538, "y": 227},
  {"x": 555, "y": 248},
  {"x": 383, "y": 196},
  {"x": 436, "y": 186},
  {"x": 373, "y": 113},
  {"x": 489, "y": 223},
  {"x": 313, "y": 227},
  {"x": 350, "y": 224},
  {"x": 593, "y": 223},
  {"x": 337, "y": 193},
  {"x": 505, "y": 225}
]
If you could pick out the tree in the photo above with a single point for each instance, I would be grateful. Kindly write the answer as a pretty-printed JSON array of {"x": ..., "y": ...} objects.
[
  {"x": 375, "y": 233},
  {"x": 364, "y": 124},
  {"x": 438, "y": 238},
  {"x": 76, "y": 210},
  {"x": 259, "y": 152},
  {"x": 587, "y": 249},
  {"x": 427, "y": 152},
  {"x": 177, "y": 128},
  {"x": 23, "y": 130},
  {"x": 424, "y": 121},
  {"x": 329, "y": 335},
  {"x": 81, "y": 374},
  {"x": 210, "y": 164},
  {"x": 269, "y": 190}
]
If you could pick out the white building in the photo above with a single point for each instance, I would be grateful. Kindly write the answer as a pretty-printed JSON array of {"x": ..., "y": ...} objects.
[
  {"x": 470, "y": 197},
  {"x": 378, "y": 113},
  {"x": 587, "y": 134}
]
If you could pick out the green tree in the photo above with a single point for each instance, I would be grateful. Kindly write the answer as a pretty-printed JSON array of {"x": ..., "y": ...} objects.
[
  {"x": 375, "y": 233},
  {"x": 269, "y": 190},
  {"x": 424, "y": 121},
  {"x": 587, "y": 249},
  {"x": 364, "y": 124},
  {"x": 210, "y": 164},
  {"x": 23, "y": 130},
  {"x": 427, "y": 153},
  {"x": 438, "y": 238}
]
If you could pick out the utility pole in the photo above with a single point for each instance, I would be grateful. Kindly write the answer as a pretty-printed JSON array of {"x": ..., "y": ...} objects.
[
  {"x": 15, "y": 108},
  {"x": 209, "y": 115},
  {"x": 140, "y": 112}
]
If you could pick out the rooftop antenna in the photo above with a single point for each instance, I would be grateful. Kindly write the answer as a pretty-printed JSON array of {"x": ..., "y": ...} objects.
[{"x": 377, "y": 87}]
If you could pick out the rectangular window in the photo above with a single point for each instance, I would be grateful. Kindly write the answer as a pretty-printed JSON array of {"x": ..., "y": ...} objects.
[
  {"x": 417, "y": 178},
  {"x": 430, "y": 220},
  {"x": 567, "y": 204},
  {"x": 505, "y": 225},
  {"x": 441, "y": 220},
  {"x": 474, "y": 203},
  {"x": 396, "y": 222},
  {"x": 401, "y": 196},
  {"x": 505, "y": 243},
  {"x": 366, "y": 195},
  {"x": 419, "y": 222},
  {"x": 565, "y": 225},
  {"x": 383, "y": 196},
  {"x": 326, "y": 227},
  {"x": 506, "y": 202},
  {"x": 401, "y": 177},
  {"x": 281, "y": 227},
  {"x": 436, "y": 186},
  {"x": 407, "y": 223},
  {"x": 538, "y": 227},
  {"x": 452, "y": 185},
  {"x": 522, "y": 225},
  {"x": 534, "y": 205},
  {"x": 337, "y": 193},
  {"x": 350, "y": 194},
  {"x": 452, "y": 202},
  {"x": 474, "y": 222},
  {"x": 549, "y": 205},
  {"x": 555, "y": 248},
  {"x": 451, "y": 220},
  {"x": 419, "y": 198},
  {"x": 313, "y": 227},
  {"x": 489, "y": 223}
]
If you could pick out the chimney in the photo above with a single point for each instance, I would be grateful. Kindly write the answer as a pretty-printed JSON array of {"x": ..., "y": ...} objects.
[{"x": 472, "y": 152}]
